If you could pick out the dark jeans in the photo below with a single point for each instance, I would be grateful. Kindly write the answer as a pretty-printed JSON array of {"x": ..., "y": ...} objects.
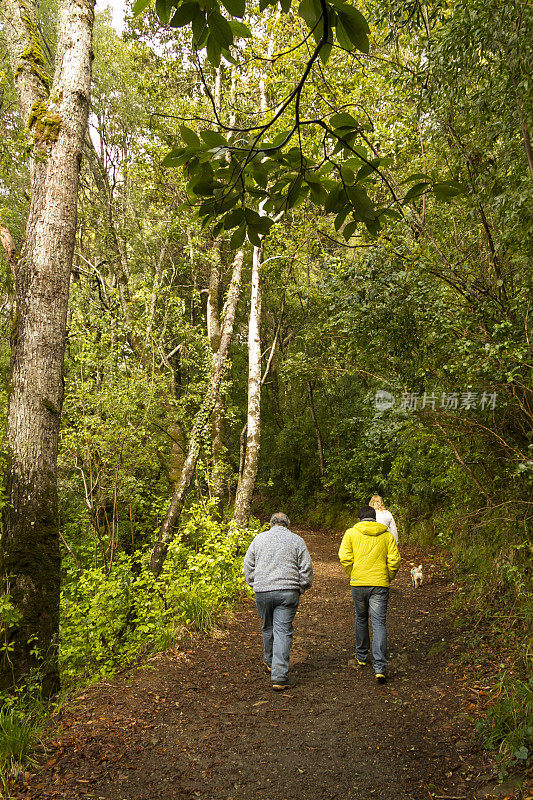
[
  {"x": 375, "y": 599},
  {"x": 277, "y": 610}
]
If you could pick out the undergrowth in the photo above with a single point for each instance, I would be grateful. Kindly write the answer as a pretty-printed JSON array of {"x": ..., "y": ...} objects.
[
  {"x": 22, "y": 716},
  {"x": 492, "y": 559},
  {"x": 114, "y": 617}
]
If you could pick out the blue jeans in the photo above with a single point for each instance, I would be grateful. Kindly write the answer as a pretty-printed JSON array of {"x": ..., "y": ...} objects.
[
  {"x": 277, "y": 610},
  {"x": 374, "y": 598}
]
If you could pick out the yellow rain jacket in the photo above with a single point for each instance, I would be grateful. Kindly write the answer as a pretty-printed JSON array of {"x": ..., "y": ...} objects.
[{"x": 369, "y": 555}]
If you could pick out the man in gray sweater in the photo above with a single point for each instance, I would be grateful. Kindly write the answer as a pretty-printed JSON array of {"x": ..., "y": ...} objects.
[{"x": 278, "y": 567}]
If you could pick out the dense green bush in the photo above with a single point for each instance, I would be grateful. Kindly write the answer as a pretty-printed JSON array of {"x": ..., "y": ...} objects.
[{"x": 110, "y": 618}]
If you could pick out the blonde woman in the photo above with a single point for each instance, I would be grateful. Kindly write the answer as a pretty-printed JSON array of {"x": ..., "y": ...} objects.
[{"x": 383, "y": 516}]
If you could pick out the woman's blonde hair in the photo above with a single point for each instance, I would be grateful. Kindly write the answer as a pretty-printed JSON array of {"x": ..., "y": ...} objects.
[{"x": 376, "y": 501}]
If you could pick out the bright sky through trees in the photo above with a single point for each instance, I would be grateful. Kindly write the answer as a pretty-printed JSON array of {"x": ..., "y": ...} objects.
[{"x": 116, "y": 7}]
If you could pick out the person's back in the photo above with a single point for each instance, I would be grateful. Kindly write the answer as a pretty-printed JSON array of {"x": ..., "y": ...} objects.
[
  {"x": 278, "y": 554},
  {"x": 383, "y": 515},
  {"x": 278, "y": 567},
  {"x": 370, "y": 557}
]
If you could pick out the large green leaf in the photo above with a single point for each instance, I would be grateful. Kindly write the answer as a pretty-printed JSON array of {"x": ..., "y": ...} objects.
[
  {"x": 213, "y": 138},
  {"x": 343, "y": 121},
  {"x": 335, "y": 200},
  {"x": 362, "y": 205},
  {"x": 139, "y": 6},
  {"x": 234, "y": 218},
  {"x": 220, "y": 28},
  {"x": 355, "y": 27},
  {"x": 214, "y": 52},
  {"x": 349, "y": 230},
  {"x": 325, "y": 52},
  {"x": 163, "y": 10},
  {"x": 371, "y": 166},
  {"x": 318, "y": 193},
  {"x": 199, "y": 27},
  {"x": 254, "y": 236},
  {"x": 415, "y": 191},
  {"x": 189, "y": 136},
  {"x": 353, "y": 13},
  {"x": 203, "y": 187},
  {"x": 177, "y": 157},
  {"x": 341, "y": 216},
  {"x": 240, "y": 30},
  {"x": 237, "y": 237},
  {"x": 309, "y": 10},
  {"x": 184, "y": 14},
  {"x": 235, "y": 7},
  {"x": 343, "y": 37},
  {"x": 444, "y": 190},
  {"x": 294, "y": 192}
]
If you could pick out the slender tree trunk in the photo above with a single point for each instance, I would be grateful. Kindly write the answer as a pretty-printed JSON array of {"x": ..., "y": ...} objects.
[
  {"x": 119, "y": 265},
  {"x": 218, "y": 418},
  {"x": 10, "y": 250},
  {"x": 166, "y": 532},
  {"x": 319, "y": 443},
  {"x": 56, "y": 123},
  {"x": 245, "y": 488}
]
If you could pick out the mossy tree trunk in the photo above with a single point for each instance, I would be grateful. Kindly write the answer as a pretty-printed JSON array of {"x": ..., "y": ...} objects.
[{"x": 55, "y": 115}]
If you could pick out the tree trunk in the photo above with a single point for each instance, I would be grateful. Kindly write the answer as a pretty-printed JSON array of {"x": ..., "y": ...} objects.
[
  {"x": 166, "y": 532},
  {"x": 218, "y": 418},
  {"x": 245, "y": 488},
  {"x": 319, "y": 443},
  {"x": 56, "y": 123}
]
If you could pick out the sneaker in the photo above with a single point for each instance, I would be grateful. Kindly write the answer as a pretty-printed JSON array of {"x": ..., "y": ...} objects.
[
  {"x": 267, "y": 666},
  {"x": 280, "y": 686},
  {"x": 356, "y": 663},
  {"x": 381, "y": 677}
]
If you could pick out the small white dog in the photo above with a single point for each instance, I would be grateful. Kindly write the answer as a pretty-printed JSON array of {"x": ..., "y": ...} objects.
[{"x": 417, "y": 576}]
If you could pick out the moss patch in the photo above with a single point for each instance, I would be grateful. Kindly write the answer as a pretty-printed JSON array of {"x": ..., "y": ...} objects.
[
  {"x": 33, "y": 55},
  {"x": 44, "y": 124}
]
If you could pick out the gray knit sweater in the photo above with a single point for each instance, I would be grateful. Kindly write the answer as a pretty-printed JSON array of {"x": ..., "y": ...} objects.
[{"x": 278, "y": 559}]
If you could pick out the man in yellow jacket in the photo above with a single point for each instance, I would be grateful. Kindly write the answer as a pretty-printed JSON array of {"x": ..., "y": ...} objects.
[{"x": 370, "y": 557}]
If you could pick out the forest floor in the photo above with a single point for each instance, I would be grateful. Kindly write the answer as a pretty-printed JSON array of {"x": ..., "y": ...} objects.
[{"x": 203, "y": 722}]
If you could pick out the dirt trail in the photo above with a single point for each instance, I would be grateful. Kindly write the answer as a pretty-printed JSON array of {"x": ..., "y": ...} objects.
[{"x": 204, "y": 723}]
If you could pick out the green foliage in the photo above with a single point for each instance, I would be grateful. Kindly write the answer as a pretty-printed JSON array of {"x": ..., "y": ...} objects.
[
  {"x": 22, "y": 717},
  {"x": 508, "y": 725},
  {"x": 9, "y": 617},
  {"x": 110, "y": 619}
]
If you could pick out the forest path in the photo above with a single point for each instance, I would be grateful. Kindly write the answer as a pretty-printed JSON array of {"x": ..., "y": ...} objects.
[{"x": 205, "y": 723}]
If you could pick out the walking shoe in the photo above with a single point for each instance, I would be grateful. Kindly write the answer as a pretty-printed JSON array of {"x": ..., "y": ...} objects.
[
  {"x": 356, "y": 663},
  {"x": 381, "y": 677},
  {"x": 267, "y": 666},
  {"x": 280, "y": 686}
]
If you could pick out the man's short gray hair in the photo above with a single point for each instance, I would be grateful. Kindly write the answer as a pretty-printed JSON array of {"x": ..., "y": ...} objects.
[{"x": 279, "y": 518}]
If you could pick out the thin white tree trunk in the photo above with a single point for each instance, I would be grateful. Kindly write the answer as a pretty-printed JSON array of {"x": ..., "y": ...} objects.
[
  {"x": 56, "y": 119},
  {"x": 245, "y": 488}
]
